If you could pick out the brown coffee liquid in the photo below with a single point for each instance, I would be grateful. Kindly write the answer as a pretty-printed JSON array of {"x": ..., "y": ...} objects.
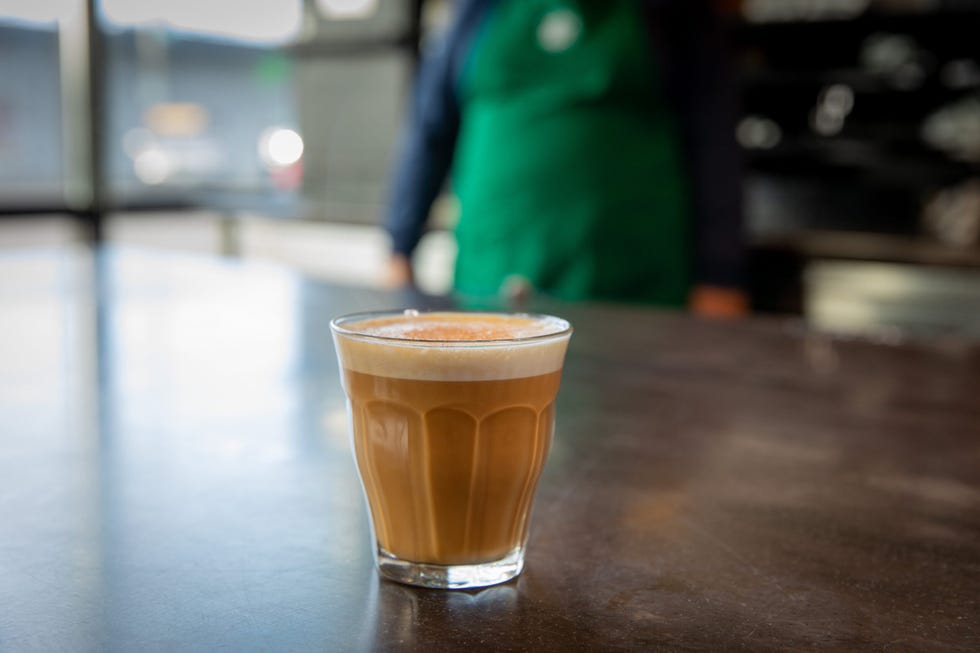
[{"x": 450, "y": 467}]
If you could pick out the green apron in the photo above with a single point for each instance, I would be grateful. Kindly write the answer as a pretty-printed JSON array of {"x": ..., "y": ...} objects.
[{"x": 567, "y": 167}]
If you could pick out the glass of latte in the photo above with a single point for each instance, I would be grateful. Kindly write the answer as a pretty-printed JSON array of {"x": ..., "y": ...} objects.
[{"x": 452, "y": 415}]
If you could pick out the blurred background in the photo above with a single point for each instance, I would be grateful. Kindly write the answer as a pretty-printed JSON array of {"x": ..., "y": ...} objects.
[{"x": 264, "y": 129}]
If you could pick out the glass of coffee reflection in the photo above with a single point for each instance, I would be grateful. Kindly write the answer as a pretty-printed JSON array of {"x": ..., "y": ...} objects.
[{"x": 452, "y": 416}]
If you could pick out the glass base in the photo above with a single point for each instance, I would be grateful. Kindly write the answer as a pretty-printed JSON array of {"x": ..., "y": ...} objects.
[{"x": 451, "y": 577}]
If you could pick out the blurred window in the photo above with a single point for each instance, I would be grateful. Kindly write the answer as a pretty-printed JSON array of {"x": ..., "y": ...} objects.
[
  {"x": 354, "y": 68},
  {"x": 268, "y": 22},
  {"x": 30, "y": 104},
  {"x": 198, "y": 94},
  {"x": 348, "y": 9},
  {"x": 38, "y": 12},
  {"x": 285, "y": 106},
  {"x": 351, "y": 20}
]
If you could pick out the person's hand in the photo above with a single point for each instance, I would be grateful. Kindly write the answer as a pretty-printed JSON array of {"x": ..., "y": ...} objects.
[
  {"x": 516, "y": 290},
  {"x": 398, "y": 272},
  {"x": 718, "y": 302}
]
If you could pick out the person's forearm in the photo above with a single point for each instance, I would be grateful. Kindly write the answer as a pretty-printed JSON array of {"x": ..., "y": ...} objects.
[
  {"x": 718, "y": 301},
  {"x": 398, "y": 272}
]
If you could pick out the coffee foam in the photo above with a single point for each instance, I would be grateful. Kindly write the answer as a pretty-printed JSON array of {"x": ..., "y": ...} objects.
[{"x": 453, "y": 346}]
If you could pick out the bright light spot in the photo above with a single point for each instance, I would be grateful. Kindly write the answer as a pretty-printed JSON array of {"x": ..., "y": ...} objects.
[
  {"x": 280, "y": 147},
  {"x": 955, "y": 128},
  {"x": 176, "y": 118},
  {"x": 153, "y": 166},
  {"x": 559, "y": 30},
  {"x": 896, "y": 57},
  {"x": 263, "y": 21},
  {"x": 834, "y": 104},
  {"x": 757, "y": 132},
  {"x": 838, "y": 98},
  {"x": 348, "y": 9}
]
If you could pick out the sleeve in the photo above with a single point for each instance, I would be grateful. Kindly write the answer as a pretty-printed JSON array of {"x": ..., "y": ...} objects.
[
  {"x": 425, "y": 151},
  {"x": 701, "y": 82}
]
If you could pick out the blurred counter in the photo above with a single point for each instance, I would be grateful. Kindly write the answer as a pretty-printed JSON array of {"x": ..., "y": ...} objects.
[
  {"x": 871, "y": 283},
  {"x": 175, "y": 475}
]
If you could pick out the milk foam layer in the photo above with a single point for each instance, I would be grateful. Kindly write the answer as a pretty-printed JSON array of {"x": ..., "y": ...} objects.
[{"x": 453, "y": 346}]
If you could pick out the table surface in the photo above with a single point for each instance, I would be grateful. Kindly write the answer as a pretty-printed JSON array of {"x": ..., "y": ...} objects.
[{"x": 175, "y": 475}]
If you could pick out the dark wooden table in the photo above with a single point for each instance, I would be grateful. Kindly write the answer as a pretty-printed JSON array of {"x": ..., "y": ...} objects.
[{"x": 175, "y": 476}]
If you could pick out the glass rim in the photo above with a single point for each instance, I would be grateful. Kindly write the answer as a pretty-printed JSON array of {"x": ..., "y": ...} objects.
[{"x": 338, "y": 328}]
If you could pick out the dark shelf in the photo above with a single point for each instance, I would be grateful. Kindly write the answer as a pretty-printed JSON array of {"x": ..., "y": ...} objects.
[
  {"x": 883, "y": 248},
  {"x": 948, "y": 10},
  {"x": 862, "y": 82},
  {"x": 904, "y": 162},
  {"x": 784, "y": 65}
]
